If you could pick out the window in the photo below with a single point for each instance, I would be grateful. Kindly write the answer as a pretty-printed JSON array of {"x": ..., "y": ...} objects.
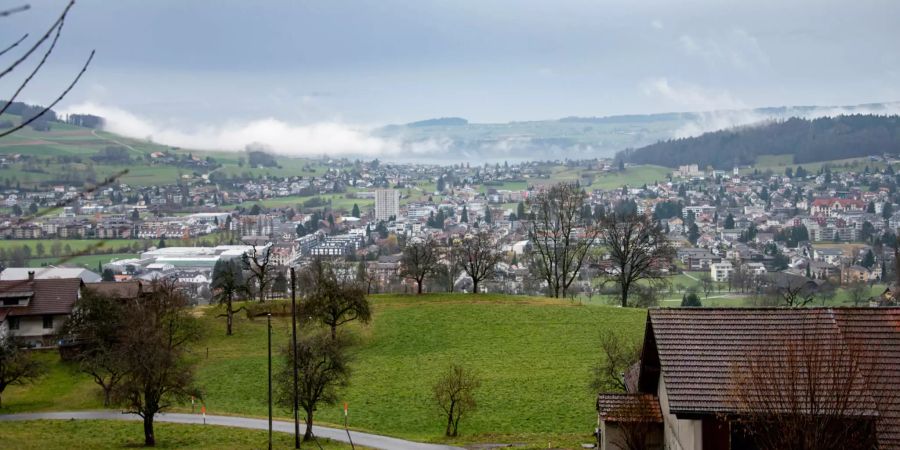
[
  {"x": 13, "y": 323},
  {"x": 48, "y": 322},
  {"x": 10, "y": 302}
]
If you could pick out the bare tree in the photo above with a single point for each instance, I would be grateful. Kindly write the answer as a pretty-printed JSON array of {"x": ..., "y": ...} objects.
[
  {"x": 619, "y": 354},
  {"x": 478, "y": 257},
  {"x": 789, "y": 290},
  {"x": 96, "y": 327},
  {"x": 808, "y": 392},
  {"x": 332, "y": 299},
  {"x": 707, "y": 283},
  {"x": 227, "y": 285},
  {"x": 454, "y": 394},
  {"x": 16, "y": 366},
  {"x": 561, "y": 237},
  {"x": 262, "y": 269},
  {"x": 858, "y": 291},
  {"x": 449, "y": 269},
  {"x": 323, "y": 366},
  {"x": 637, "y": 247},
  {"x": 420, "y": 260},
  {"x": 157, "y": 336}
]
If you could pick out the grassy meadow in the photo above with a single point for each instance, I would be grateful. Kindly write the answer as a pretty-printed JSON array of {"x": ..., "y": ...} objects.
[{"x": 533, "y": 354}]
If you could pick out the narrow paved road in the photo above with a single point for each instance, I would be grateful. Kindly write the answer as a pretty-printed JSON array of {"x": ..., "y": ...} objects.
[{"x": 359, "y": 438}]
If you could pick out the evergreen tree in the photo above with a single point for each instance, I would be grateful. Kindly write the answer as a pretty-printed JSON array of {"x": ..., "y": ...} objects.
[
  {"x": 520, "y": 211},
  {"x": 868, "y": 260},
  {"x": 691, "y": 300},
  {"x": 355, "y": 212},
  {"x": 693, "y": 233},
  {"x": 465, "y": 215},
  {"x": 729, "y": 222}
]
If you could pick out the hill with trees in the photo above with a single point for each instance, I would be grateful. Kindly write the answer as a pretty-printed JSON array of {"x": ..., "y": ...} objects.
[{"x": 822, "y": 139}]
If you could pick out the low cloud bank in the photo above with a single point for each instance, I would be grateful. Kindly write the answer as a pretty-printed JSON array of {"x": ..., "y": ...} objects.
[
  {"x": 720, "y": 120},
  {"x": 339, "y": 139},
  {"x": 329, "y": 138}
]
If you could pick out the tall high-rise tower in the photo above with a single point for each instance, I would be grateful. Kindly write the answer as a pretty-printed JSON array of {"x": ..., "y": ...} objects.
[{"x": 387, "y": 203}]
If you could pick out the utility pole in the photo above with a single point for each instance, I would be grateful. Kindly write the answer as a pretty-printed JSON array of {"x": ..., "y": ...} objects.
[
  {"x": 269, "y": 316},
  {"x": 294, "y": 350}
]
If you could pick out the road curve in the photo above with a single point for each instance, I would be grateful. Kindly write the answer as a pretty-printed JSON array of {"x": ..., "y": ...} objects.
[{"x": 364, "y": 439}]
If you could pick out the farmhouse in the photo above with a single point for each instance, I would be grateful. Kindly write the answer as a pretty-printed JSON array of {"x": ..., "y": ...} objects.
[
  {"x": 681, "y": 392},
  {"x": 32, "y": 311}
]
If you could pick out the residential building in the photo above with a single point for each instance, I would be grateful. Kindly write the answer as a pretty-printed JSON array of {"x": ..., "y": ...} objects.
[
  {"x": 387, "y": 204},
  {"x": 679, "y": 389},
  {"x": 32, "y": 311},
  {"x": 721, "y": 271}
]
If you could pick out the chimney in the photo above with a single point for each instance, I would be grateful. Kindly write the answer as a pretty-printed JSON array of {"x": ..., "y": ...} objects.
[{"x": 30, "y": 275}]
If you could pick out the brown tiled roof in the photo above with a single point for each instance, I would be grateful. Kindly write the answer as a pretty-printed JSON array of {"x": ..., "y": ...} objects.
[
  {"x": 50, "y": 296},
  {"x": 629, "y": 408},
  {"x": 117, "y": 289},
  {"x": 698, "y": 347},
  {"x": 877, "y": 331}
]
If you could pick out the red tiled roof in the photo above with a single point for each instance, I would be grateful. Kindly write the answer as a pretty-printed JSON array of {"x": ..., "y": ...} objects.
[
  {"x": 842, "y": 201},
  {"x": 50, "y": 296},
  {"x": 629, "y": 408},
  {"x": 698, "y": 348}
]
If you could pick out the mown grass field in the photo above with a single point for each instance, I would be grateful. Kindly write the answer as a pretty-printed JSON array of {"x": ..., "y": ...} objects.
[
  {"x": 533, "y": 354},
  {"x": 90, "y": 262},
  {"x": 95, "y": 434},
  {"x": 75, "y": 245},
  {"x": 635, "y": 176}
]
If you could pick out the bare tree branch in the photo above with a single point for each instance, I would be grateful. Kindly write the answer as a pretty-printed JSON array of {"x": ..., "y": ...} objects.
[
  {"x": 39, "y": 42},
  {"x": 58, "y": 99},
  {"x": 37, "y": 68},
  {"x": 14, "y": 45},
  {"x": 13, "y": 10}
]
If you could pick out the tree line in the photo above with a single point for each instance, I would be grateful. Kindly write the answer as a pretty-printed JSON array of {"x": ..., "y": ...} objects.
[{"x": 822, "y": 139}]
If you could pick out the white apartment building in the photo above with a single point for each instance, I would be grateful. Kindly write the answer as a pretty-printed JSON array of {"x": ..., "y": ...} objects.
[
  {"x": 387, "y": 204},
  {"x": 720, "y": 271}
]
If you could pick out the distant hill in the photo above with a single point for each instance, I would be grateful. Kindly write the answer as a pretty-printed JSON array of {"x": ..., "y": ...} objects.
[
  {"x": 443, "y": 121},
  {"x": 591, "y": 137},
  {"x": 821, "y": 139}
]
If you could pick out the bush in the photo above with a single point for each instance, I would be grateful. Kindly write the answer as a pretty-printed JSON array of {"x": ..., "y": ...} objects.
[{"x": 691, "y": 300}]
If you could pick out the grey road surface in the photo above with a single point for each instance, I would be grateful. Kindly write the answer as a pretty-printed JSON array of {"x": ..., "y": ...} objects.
[{"x": 359, "y": 438}]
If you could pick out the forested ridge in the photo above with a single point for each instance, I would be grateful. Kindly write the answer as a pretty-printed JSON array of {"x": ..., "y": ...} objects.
[{"x": 821, "y": 139}]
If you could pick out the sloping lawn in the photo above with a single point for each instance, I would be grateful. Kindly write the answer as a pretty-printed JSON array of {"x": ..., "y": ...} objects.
[{"x": 533, "y": 355}]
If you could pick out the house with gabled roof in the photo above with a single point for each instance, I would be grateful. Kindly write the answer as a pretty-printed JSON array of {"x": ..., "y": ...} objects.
[
  {"x": 691, "y": 355},
  {"x": 32, "y": 311}
]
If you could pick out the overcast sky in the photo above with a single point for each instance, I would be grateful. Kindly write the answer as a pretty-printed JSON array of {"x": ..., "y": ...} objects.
[{"x": 386, "y": 61}]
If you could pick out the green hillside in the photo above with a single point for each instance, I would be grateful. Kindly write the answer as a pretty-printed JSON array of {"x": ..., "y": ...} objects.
[
  {"x": 63, "y": 155},
  {"x": 534, "y": 355}
]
